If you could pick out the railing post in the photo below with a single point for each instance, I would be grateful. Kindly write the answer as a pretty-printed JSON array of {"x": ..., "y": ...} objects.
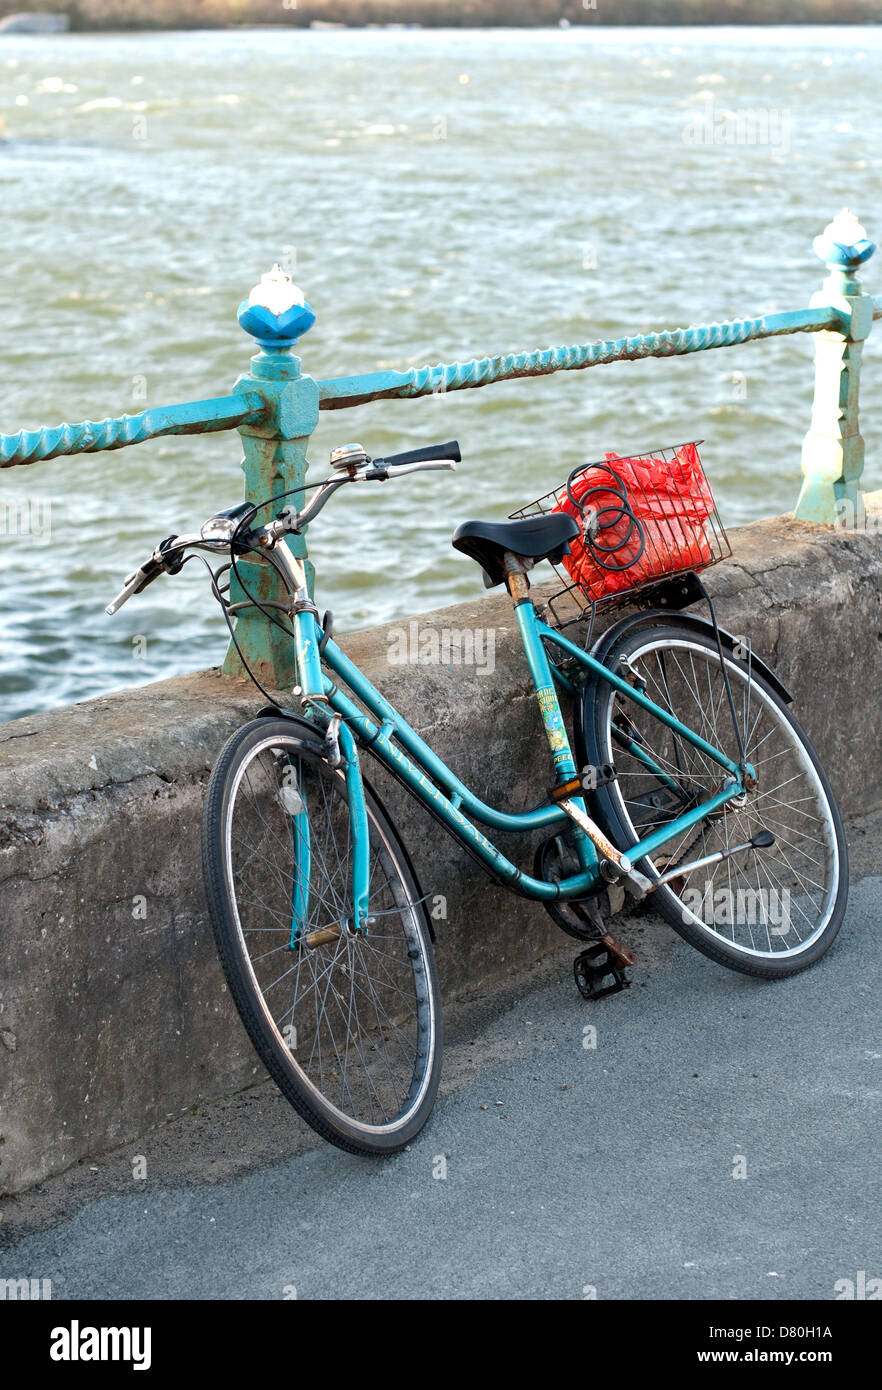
[
  {"x": 276, "y": 315},
  {"x": 833, "y": 449}
]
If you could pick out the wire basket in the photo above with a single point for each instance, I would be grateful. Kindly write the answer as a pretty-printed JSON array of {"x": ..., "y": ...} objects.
[{"x": 645, "y": 519}]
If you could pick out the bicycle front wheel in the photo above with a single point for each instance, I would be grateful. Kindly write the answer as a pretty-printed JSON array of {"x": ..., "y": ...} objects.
[
  {"x": 348, "y": 1024},
  {"x": 769, "y": 911}
]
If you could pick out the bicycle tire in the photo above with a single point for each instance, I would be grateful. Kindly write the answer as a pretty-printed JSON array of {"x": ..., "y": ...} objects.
[
  {"x": 619, "y": 805},
  {"x": 251, "y": 758}
]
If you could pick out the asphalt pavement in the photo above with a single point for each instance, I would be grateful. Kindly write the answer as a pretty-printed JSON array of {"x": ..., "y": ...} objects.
[{"x": 716, "y": 1137}]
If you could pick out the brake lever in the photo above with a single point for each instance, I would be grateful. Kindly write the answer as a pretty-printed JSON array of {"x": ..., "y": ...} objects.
[
  {"x": 160, "y": 562},
  {"x": 133, "y": 585},
  {"x": 171, "y": 564},
  {"x": 380, "y": 474}
]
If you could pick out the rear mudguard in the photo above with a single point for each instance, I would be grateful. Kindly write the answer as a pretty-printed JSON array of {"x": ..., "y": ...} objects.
[{"x": 664, "y": 618}]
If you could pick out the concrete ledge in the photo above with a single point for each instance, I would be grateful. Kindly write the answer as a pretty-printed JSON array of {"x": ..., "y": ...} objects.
[{"x": 113, "y": 1012}]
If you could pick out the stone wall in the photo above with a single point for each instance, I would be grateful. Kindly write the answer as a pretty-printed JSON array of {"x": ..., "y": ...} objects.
[{"x": 113, "y": 1012}]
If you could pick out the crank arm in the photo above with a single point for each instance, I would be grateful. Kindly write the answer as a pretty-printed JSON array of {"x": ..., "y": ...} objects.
[{"x": 613, "y": 864}]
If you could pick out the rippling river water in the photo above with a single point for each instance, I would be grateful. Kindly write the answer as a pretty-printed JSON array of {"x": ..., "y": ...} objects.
[{"x": 443, "y": 194}]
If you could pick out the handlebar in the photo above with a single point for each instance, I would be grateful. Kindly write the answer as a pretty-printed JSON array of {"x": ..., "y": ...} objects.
[
  {"x": 168, "y": 557},
  {"x": 450, "y": 450},
  {"x": 401, "y": 469},
  {"x": 376, "y": 470}
]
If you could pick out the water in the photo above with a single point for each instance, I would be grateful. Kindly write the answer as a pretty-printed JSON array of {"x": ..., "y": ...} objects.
[{"x": 446, "y": 194}]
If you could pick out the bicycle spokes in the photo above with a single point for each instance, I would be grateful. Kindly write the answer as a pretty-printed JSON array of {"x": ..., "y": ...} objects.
[
  {"x": 767, "y": 894},
  {"x": 346, "y": 1003}
]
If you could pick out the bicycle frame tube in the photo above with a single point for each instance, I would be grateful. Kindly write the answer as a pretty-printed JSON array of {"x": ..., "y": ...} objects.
[
  {"x": 378, "y": 739},
  {"x": 638, "y": 698},
  {"x": 319, "y": 692},
  {"x": 389, "y": 721},
  {"x": 439, "y": 789}
]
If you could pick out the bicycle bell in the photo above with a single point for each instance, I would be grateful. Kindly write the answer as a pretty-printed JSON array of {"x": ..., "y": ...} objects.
[{"x": 347, "y": 457}]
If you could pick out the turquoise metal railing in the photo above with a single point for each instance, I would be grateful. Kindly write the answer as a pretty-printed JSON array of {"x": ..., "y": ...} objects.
[
  {"x": 275, "y": 406},
  {"x": 460, "y": 376}
]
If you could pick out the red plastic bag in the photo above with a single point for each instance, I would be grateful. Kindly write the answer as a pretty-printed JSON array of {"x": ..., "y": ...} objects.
[{"x": 671, "y": 501}]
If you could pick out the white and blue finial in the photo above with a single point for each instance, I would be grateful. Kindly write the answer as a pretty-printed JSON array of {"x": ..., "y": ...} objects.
[
  {"x": 844, "y": 242},
  {"x": 276, "y": 313}
]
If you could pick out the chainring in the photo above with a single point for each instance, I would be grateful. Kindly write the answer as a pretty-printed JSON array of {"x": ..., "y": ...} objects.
[{"x": 588, "y": 918}]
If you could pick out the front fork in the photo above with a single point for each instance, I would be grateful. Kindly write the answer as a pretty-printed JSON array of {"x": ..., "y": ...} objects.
[{"x": 341, "y": 743}]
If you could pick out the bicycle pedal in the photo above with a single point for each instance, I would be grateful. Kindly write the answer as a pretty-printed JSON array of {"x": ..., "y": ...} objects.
[{"x": 598, "y": 964}]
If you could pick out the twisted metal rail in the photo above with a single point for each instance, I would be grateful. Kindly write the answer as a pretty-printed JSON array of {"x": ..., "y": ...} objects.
[
  {"x": 338, "y": 392},
  {"x": 276, "y": 407},
  {"x": 117, "y": 432}
]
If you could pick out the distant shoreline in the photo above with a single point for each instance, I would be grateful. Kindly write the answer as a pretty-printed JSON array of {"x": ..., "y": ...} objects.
[{"x": 144, "y": 15}]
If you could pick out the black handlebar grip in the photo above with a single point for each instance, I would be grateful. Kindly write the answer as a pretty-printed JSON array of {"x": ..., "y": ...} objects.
[{"x": 450, "y": 450}]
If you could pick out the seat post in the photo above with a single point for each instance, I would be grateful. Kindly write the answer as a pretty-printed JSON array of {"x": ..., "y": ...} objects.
[
  {"x": 516, "y": 581},
  {"x": 515, "y": 567}
]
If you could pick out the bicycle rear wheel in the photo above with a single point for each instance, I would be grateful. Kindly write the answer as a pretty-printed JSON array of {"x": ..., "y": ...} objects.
[
  {"x": 347, "y": 1023},
  {"x": 768, "y": 912}
]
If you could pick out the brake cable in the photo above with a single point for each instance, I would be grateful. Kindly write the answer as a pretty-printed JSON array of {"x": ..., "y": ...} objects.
[
  {"x": 252, "y": 600},
  {"x": 229, "y": 622},
  {"x": 246, "y": 520}
]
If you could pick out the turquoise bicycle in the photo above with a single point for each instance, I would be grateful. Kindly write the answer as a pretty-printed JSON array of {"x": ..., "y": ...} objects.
[{"x": 687, "y": 783}]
